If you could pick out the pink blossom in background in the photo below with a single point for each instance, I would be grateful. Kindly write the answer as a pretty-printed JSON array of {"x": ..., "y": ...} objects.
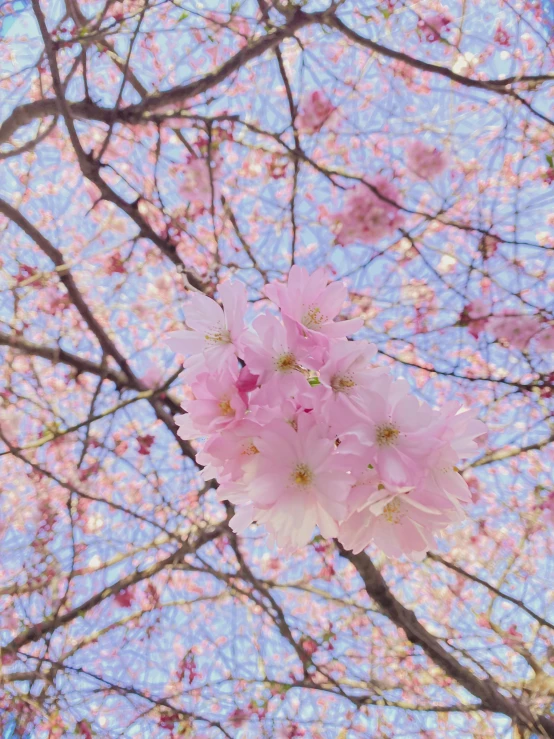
[
  {"x": 239, "y": 718},
  {"x": 424, "y": 160},
  {"x": 193, "y": 179},
  {"x": 544, "y": 339},
  {"x": 315, "y": 109},
  {"x": 434, "y": 25},
  {"x": 548, "y": 508},
  {"x": 516, "y": 331},
  {"x": 153, "y": 376},
  {"x": 366, "y": 217},
  {"x": 501, "y": 36},
  {"x": 475, "y": 315}
]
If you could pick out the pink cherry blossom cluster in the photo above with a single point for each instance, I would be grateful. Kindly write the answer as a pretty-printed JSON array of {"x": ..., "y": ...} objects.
[
  {"x": 515, "y": 330},
  {"x": 370, "y": 213},
  {"x": 424, "y": 160},
  {"x": 315, "y": 110},
  {"x": 301, "y": 429}
]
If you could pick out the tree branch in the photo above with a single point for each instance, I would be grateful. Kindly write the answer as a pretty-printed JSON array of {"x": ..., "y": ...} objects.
[{"x": 485, "y": 690}]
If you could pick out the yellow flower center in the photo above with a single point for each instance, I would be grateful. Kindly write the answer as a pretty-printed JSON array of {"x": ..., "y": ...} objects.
[
  {"x": 250, "y": 450},
  {"x": 342, "y": 383},
  {"x": 225, "y": 407},
  {"x": 392, "y": 512},
  {"x": 313, "y": 318},
  {"x": 386, "y": 434},
  {"x": 286, "y": 362},
  {"x": 302, "y": 475},
  {"x": 219, "y": 336}
]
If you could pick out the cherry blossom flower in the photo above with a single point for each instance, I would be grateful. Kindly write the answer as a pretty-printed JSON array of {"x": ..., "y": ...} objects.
[
  {"x": 315, "y": 110},
  {"x": 457, "y": 433},
  {"x": 501, "y": 36},
  {"x": 459, "y": 430},
  {"x": 313, "y": 303},
  {"x": 424, "y": 160},
  {"x": 515, "y": 330},
  {"x": 225, "y": 454},
  {"x": 296, "y": 483},
  {"x": 395, "y": 434},
  {"x": 273, "y": 357},
  {"x": 216, "y": 404},
  {"x": 547, "y": 507},
  {"x": 213, "y": 335},
  {"x": 345, "y": 380},
  {"x": 395, "y": 521},
  {"x": 366, "y": 216}
]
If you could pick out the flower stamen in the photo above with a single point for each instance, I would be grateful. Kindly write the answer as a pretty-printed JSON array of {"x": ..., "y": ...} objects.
[
  {"x": 302, "y": 475},
  {"x": 313, "y": 318},
  {"x": 342, "y": 383},
  {"x": 286, "y": 362},
  {"x": 219, "y": 336},
  {"x": 226, "y": 407},
  {"x": 392, "y": 512},
  {"x": 386, "y": 434}
]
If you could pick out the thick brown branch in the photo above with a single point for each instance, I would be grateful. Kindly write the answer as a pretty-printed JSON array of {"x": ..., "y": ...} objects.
[{"x": 485, "y": 690}]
